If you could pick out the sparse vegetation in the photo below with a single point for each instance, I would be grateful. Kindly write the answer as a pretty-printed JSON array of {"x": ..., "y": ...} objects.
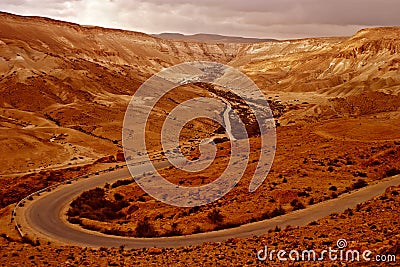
[
  {"x": 274, "y": 213},
  {"x": 27, "y": 240},
  {"x": 328, "y": 147},
  {"x": 93, "y": 205},
  {"x": 392, "y": 172},
  {"x": 297, "y": 204},
  {"x": 359, "y": 184},
  {"x": 333, "y": 188},
  {"x": 144, "y": 228},
  {"x": 174, "y": 231},
  {"x": 122, "y": 183},
  {"x": 215, "y": 216},
  {"x": 308, "y": 148}
]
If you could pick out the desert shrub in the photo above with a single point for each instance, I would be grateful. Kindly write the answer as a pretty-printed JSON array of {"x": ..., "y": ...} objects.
[
  {"x": 215, "y": 216},
  {"x": 6, "y": 237},
  {"x": 115, "y": 232},
  {"x": 277, "y": 212},
  {"x": 266, "y": 215},
  {"x": 197, "y": 229},
  {"x": 174, "y": 231},
  {"x": 91, "y": 227},
  {"x": 93, "y": 205},
  {"x": 274, "y": 213},
  {"x": 303, "y": 194},
  {"x": 296, "y": 204},
  {"x": 159, "y": 216},
  {"x": 118, "y": 197},
  {"x": 349, "y": 212},
  {"x": 27, "y": 240},
  {"x": 193, "y": 210},
  {"x": 145, "y": 229},
  {"x": 358, "y": 207},
  {"x": 359, "y": 184},
  {"x": 333, "y": 188},
  {"x": 226, "y": 226},
  {"x": 74, "y": 220},
  {"x": 122, "y": 182},
  {"x": 392, "y": 172},
  {"x": 360, "y": 174},
  {"x": 141, "y": 199}
]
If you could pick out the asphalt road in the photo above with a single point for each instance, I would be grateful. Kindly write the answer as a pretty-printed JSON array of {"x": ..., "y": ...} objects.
[{"x": 43, "y": 216}]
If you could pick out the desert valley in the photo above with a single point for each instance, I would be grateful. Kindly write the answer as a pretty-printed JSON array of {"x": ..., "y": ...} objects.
[{"x": 64, "y": 91}]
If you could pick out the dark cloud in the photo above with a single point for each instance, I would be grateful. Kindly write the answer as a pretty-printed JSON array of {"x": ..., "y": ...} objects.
[{"x": 253, "y": 18}]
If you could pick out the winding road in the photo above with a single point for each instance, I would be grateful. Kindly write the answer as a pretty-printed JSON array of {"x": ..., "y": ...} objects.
[
  {"x": 227, "y": 121},
  {"x": 43, "y": 217}
]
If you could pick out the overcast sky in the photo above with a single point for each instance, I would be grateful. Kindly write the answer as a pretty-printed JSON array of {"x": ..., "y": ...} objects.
[{"x": 282, "y": 19}]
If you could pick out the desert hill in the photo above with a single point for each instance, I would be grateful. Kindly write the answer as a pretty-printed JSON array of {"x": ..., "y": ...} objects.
[
  {"x": 63, "y": 79},
  {"x": 61, "y": 75},
  {"x": 64, "y": 89},
  {"x": 212, "y": 38},
  {"x": 336, "y": 66}
]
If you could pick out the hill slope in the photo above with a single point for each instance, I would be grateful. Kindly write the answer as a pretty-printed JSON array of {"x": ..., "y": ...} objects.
[
  {"x": 337, "y": 66},
  {"x": 212, "y": 38},
  {"x": 59, "y": 78}
]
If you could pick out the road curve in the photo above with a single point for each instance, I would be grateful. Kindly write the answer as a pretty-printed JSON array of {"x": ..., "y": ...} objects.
[{"x": 42, "y": 216}]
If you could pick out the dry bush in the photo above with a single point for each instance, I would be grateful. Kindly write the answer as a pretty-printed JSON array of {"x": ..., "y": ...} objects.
[
  {"x": 174, "y": 231},
  {"x": 297, "y": 204},
  {"x": 144, "y": 228},
  {"x": 215, "y": 216},
  {"x": 122, "y": 183},
  {"x": 275, "y": 213},
  {"x": 392, "y": 172},
  {"x": 93, "y": 205},
  {"x": 359, "y": 184}
]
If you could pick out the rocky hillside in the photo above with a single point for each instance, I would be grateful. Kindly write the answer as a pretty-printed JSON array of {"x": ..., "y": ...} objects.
[
  {"x": 336, "y": 66},
  {"x": 63, "y": 79},
  {"x": 64, "y": 63},
  {"x": 212, "y": 38}
]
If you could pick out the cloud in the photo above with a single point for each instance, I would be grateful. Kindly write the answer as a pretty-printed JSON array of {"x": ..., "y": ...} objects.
[{"x": 252, "y": 18}]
